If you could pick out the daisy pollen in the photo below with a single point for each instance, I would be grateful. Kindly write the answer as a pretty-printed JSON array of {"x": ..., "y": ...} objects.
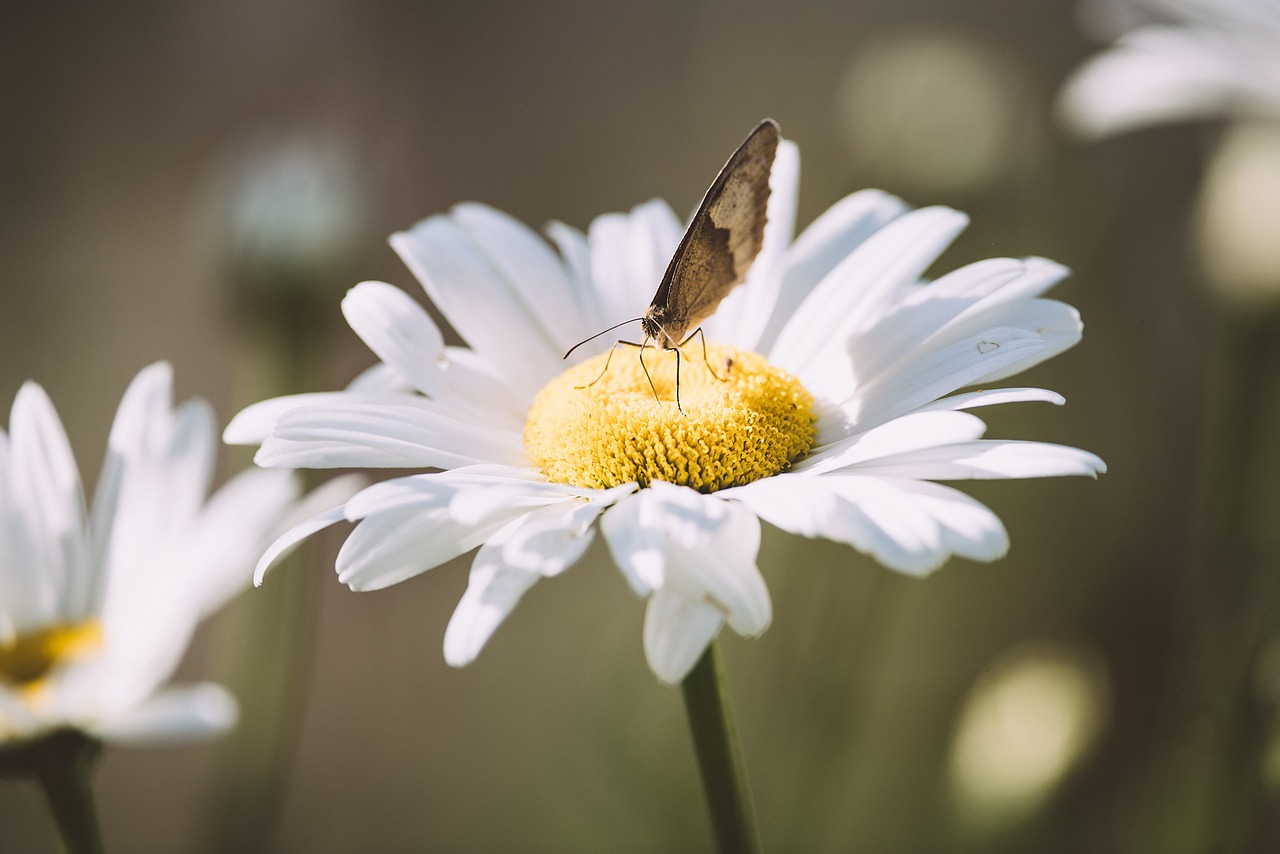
[{"x": 743, "y": 420}]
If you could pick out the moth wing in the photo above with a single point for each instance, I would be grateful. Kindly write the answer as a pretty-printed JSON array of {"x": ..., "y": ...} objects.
[{"x": 724, "y": 237}]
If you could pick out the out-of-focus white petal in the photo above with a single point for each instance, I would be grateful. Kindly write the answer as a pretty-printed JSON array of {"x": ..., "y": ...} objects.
[
  {"x": 181, "y": 713},
  {"x": 1160, "y": 74},
  {"x": 52, "y": 506},
  {"x": 14, "y": 553},
  {"x": 227, "y": 535},
  {"x": 144, "y": 405}
]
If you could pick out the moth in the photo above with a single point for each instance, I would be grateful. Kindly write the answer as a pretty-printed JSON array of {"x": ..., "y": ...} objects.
[{"x": 722, "y": 240}]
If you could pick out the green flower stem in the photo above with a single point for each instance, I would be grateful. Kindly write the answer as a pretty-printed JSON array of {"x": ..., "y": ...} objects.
[
  {"x": 264, "y": 646},
  {"x": 62, "y": 762},
  {"x": 724, "y": 780}
]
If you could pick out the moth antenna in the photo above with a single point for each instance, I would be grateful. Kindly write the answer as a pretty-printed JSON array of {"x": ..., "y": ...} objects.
[
  {"x": 607, "y": 360},
  {"x": 597, "y": 335}
]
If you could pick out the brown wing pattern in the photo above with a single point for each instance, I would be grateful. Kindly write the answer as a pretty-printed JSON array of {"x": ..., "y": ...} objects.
[{"x": 721, "y": 242}]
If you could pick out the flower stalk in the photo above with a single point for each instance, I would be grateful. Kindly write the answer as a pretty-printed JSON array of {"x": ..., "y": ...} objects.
[
  {"x": 62, "y": 762},
  {"x": 715, "y": 740}
]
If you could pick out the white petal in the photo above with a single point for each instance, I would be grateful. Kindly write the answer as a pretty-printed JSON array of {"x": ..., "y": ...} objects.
[
  {"x": 492, "y": 594},
  {"x": 634, "y": 552},
  {"x": 145, "y": 402},
  {"x": 377, "y": 379},
  {"x": 575, "y": 254},
  {"x": 905, "y": 525},
  {"x": 15, "y": 558},
  {"x": 51, "y": 505},
  {"x": 345, "y": 434},
  {"x": 673, "y": 538},
  {"x": 858, "y": 289},
  {"x": 256, "y": 422},
  {"x": 164, "y": 479},
  {"x": 1056, "y": 324},
  {"x": 548, "y": 540},
  {"x": 1161, "y": 74},
  {"x": 487, "y": 310},
  {"x": 534, "y": 271},
  {"x": 473, "y": 381},
  {"x": 969, "y": 528},
  {"x": 542, "y": 543},
  {"x": 446, "y": 517},
  {"x": 218, "y": 544},
  {"x": 963, "y": 303},
  {"x": 994, "y": 396},
  {"x": 629, "y": 254},
  {"x": 173, "y": 715},
  {"x": 292, "y": 537},
  {"x": 387, "y": 548},
  {"x": 901, "y": 435},
  {"x": 228, "y": 535},
  {"x": 825, "y": 243},
  {"x": 677, "y": 630},
  {"x": 398, "y": 331},
  {"x": 989, "y": 459},
  {"x": 428, "y": 490},
  {"x": 925, "y": 377}
]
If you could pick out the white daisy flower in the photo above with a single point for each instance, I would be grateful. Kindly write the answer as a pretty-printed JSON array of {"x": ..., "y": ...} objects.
[
  {"x": 98, "y": 604},
  {"x": 830, "y": 413},
  {"x": 1176, "y": 60}
]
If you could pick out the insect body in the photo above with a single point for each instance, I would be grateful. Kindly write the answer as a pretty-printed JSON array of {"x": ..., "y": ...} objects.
[{"x": 717, "y": 249}]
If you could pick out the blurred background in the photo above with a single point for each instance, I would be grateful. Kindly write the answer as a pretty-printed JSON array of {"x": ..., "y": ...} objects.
[{"x": 200, "y": 182}]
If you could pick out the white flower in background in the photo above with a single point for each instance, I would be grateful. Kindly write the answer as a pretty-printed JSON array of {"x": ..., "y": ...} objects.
[
  {"x": 1176, "y": 60},
  {"x": 828, "y": 415},
  {"x": 97, "y": 605}
]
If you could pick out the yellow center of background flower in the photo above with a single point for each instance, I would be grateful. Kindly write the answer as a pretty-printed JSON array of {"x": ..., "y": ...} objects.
[
  {"x": 29, "y": 657},
  {"x": 751, "y": 422}
]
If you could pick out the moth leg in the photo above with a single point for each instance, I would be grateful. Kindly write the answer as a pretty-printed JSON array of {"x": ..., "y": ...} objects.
[
  {"x": 705, "y": 360},
  {"x": 609, "y": 359},
  {"x": 678, "y": 406},
  {"x": 645, "y": 368}
]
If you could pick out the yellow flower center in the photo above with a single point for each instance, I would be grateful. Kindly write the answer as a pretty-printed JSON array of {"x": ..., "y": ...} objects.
[
  {"x": 598, "y": 428},
  {"x": 28, "y": 658}
]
